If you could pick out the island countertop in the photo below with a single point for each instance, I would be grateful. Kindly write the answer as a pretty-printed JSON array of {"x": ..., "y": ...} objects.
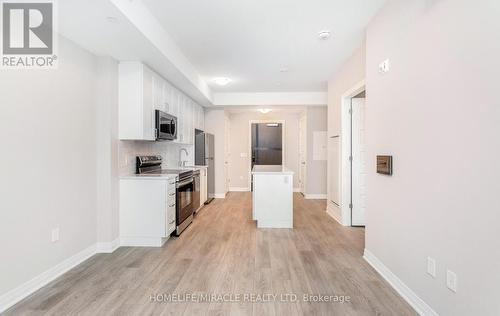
[{"x": 271, "y": 169}]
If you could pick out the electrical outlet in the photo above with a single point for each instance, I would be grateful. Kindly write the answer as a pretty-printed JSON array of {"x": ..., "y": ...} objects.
[
  {"x": 55, "y": 234},
  {"x": 451, "y": 280},
  {"x": 384, "y": 66},
  {"x": 431, "y": 266}
]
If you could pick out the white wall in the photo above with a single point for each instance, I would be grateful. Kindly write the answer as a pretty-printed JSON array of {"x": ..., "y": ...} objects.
[
  {"x": 316, "y": 169},
  {"x": 350, "y": 74},
  {"x": 107, "y": 184},
  {"x": 48, "y": 136},
  {"x": 438, "y": 113},
  {"x": 240, "y": 141},
  {"x": 215, "y": 120}
]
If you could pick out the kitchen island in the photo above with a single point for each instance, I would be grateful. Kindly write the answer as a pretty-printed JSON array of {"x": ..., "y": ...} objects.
[{"x": 272, "y": 198}]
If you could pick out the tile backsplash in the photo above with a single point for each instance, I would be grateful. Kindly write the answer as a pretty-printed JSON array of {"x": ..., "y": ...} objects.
[{"x": 169, "y": 151}]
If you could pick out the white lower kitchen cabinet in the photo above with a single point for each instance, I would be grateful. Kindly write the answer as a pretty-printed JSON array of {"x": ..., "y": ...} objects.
[
  {"x": 147, "y": 210},
  {"x": 203, "y": 185}
]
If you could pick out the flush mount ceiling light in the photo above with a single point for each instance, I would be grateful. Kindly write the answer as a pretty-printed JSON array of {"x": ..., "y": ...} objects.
[
  {"x": 264, "y": 111},
  {"x": 222, "y": 81},
  {"x": 324, "y": 35},
  {"x": 112, "y": 19}
]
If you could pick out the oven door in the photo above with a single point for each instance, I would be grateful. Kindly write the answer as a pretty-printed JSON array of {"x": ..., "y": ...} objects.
[{"x": 185, "y": 196}]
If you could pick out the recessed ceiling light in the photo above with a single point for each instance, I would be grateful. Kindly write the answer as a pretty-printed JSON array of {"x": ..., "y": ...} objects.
[
  {"x": 112, "y": 19},
  {"x": 324, "y": 35},
  {"x": 265, "y": 111},
  {"x": 222, "y": 81}
]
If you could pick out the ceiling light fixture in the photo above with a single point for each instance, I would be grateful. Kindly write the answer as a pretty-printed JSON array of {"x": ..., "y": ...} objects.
[
  {"x": 112, "y": 19},
  {"x": 324, "y": 35},
  {"x": 222, "y": 81},
  {"x": 283, "y": 69},
  {"x": 265, "y": 111}
]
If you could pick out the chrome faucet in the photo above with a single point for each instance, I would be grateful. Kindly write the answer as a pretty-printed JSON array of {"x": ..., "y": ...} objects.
[{"x": 182, "y": 163}]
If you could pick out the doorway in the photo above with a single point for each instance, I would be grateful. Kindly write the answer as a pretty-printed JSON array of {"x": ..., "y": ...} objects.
[
  {"x": 302, "y": 153},
  {"x": 266, "y": 145}
]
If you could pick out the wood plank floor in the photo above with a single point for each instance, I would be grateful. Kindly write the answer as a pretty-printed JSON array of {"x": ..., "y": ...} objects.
[{"x": 223, "y": 252}]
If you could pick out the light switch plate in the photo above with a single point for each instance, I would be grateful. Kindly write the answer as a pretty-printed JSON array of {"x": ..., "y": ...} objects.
[
  {"x": 451, "y": 280},
  {"x": 431, "y": 266},
  {"x": 55, "y": 234}
]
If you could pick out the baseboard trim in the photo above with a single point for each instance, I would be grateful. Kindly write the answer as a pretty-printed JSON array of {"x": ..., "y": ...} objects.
[
  {"x": 315, "y": 196},
  {"x": 239, "y": 189},
  {"x": 408, "y": 295},
  {"x": 274, "y": 224},
  {"x": 24, "y": 290},
  {"x": 332, "y": 214},
  {"x": 217, "y": 196},
  {"x": 108, "y": 247},
  {"x": 142, "y": 241}
]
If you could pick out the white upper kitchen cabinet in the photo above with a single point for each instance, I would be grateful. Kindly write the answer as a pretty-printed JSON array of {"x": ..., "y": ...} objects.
[
  {"x": 200, "y": 118},
  {"x": 135, "y": 95},
  {"x": 174, "y": 102},
  {"x": 158, "y": 97},
  {"x": 167, "y": 91},
  {"x": 141, "y": 92}
]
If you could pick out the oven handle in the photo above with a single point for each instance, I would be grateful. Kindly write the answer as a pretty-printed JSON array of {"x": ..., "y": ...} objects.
[{"x": 183, "y": 183}]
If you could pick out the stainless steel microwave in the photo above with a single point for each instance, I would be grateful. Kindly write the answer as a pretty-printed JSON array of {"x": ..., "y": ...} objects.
[{"x": 166, "y": 126}]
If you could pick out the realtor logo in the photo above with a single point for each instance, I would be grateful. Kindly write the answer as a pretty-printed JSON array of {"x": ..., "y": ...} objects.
[{"x": 28, "y": 39}]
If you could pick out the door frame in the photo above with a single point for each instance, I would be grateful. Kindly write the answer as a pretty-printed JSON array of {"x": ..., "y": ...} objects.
[
  {"x": 282, "y": 122},
  {"x": 227, "y": 154},
  {"x": 303, "y": 129},
  {"x": 345, "y": 139}
]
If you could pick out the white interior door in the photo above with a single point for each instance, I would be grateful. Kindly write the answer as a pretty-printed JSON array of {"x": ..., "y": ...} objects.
[
  {"x": 358, "y": 152},
  {"x": 302, "y": 153}
]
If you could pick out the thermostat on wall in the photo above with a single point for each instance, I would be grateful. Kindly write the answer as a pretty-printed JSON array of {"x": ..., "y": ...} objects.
[{"x": 384, "y": 165}]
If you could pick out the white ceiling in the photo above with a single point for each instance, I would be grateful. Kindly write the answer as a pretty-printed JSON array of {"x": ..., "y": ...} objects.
[
  {"x": 86, "y": 23},
  {"x": 251, "y": 40}
]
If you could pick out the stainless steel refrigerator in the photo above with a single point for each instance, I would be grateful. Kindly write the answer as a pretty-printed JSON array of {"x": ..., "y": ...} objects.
[{"x": 204, "y": 156}]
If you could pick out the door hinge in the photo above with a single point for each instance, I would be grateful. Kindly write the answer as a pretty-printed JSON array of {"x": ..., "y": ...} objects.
[
  {"x": 350, "y": 205},
  {"x": 350, "y": 111},
  {"x": 350, "y": 158}
]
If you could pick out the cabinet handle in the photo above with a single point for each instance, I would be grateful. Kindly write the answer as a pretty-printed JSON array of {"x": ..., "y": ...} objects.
[
  {"x": 172, "y": 194},
  {"x": 172, "y": 222},
  {"x": 172, "y": 205}
]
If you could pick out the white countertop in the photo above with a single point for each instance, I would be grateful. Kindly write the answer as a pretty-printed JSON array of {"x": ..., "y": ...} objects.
[
  {"x": 149, "y": 176},
  {"x": 271, "y": 169}
]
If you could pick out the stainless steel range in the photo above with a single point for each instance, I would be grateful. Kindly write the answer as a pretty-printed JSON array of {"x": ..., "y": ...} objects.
[{"x": 185, "y": 188}]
